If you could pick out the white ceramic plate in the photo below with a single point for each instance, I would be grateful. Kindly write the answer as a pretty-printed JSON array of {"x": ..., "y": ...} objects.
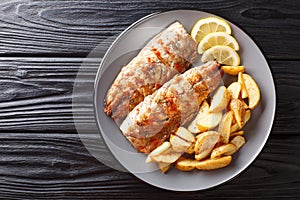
[{"x": 257, "y": 130}]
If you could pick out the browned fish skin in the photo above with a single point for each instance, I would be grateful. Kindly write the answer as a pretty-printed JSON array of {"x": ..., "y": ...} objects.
[
  {"x": 168, "y": 53},
  {"x": 171, "y": 106}
]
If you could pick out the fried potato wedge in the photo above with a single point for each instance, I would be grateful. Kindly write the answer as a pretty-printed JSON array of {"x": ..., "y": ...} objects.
[
  {"x": 247, "y": 116},
  {"x": 242, "y": 82},
  {"x": 238, "y": 111},
  {"x": 253, "y": 91},
  {"x": 182, "y": 140},
  {"x": 225, "y": 126},
  {"x": 188, "y": 164},
  {"x": 238, "y": 141},
  {"x": 178, "y": 144},
  {"x": 203, "y": 111},
  {"x": 233, "y": 70},
  {"x": 159, "y": 150},
  {"x": 215, "y": 163},
  {"x": 164, "y": 167},
  {"x": 184, "y": 134},
  {"x": 234, "y": 90},
  {"x": 219, "y": 100},
  {"x": 235, "y": 127},
  {"x": 205, "y": 143},
  {"x": 193, "y": 128},
  {"x": 226, "y": 149},
  {"x": 185, "y": 164},
  {"x": 191, "y": 148},
  {"x": 210, "y": 121},
  {"x": 237, "y": 133},
  {"x": 168, "y": 156}
]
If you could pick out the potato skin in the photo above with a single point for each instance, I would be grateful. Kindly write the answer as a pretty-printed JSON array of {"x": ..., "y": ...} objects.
[
  {"x": 164, "y": 167},
  {"x": 211, "y": 164},
  {"x": 225, "y": 126},
  {"x": 239, "y": 110},
  {"x": 225, "y": 149},
  {"x": 185, "y": 164},
  {"x": 253, "y": 91},
  {"x": 238, "y": 141},
  {"x": 219, "y": 100},
  {"x": 234, "y": 90},
  {"x": 188, "y": 164},
  {"x": 205, "y": 144}
]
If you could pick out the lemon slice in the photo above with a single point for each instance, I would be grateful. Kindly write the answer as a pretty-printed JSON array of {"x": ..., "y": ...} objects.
[
  {"x": 209, "y": 25},
  {"x": 223, "y": 54},
  {"x": 217, "y": 38}
]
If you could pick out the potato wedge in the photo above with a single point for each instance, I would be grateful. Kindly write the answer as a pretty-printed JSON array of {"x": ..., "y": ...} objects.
[
  {"x": 182, "y": 140},
  {"x": 226, "y": 149},
  {"x": 203, "y": 111},
  {"x": 159, "y": 150},
  {"x": 233, "y": 70},
  {"x": 234, "y": 90},
  {"x": 178, "y": 144},
  {"x": 253, "y": 91},
  {"x": 190, "y": 149},
  {"x": 210, "y": 121},
  {"x": 219, "y": 100},
  {"x": 242, "y": 82},
  {"x": 219, "y": 143},
  {"x": 193, "y": 128},
  {"x": 215, "y": 163},
  {"x": 164, "y": 167},
  {"x": 238, "y": 111},
  {"x": 235, "y": 127},
  {"x": 237, "y": 133},
  {"x": 247, "y": 116},
  {"x": 168, "y": 156},
  {"x": 225, "y": 126},
  {"x": 205, "y": 143},
  {"x": 184, "y": 134},
  {"x": 185, "y": 164},
  {"x": 238, "y": 141}
]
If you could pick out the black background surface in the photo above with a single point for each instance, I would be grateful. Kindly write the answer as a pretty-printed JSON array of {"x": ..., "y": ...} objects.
[{"x": 42, "y": 45}]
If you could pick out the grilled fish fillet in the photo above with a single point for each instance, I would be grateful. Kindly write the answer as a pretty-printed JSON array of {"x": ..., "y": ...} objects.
[
  {"x": 173, "y": 105},
  {"x": 169, "y": 53}
]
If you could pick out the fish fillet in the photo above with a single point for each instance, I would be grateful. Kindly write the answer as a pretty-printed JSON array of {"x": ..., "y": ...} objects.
[
  {"x": 151, "y": 122},
  {"x": 168, "y": 53}
]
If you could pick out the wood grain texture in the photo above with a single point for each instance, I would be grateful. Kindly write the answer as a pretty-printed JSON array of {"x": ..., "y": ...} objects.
[
  {"x": 38, "y": 92},
  {"x": 57, "y": 166},
  {"x": 43, "y": 45},
  {"x": 49, "y": 160},
  {"x": 74, "y": 28}
]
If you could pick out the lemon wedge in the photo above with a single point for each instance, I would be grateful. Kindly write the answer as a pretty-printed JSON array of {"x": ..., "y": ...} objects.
[
  {"x": 217, "y": 38},
  {"x": 223, "y": 54},
  {"x": 209, "y": 25}
]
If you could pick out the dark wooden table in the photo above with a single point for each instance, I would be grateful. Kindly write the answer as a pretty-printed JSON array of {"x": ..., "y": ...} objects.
[{"x": 42, "y": 46}]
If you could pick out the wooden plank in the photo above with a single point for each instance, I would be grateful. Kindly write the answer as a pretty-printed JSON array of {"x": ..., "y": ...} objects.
[
  {"x": 287, "y": 82},
  {"x": 38, "y": 92},
  {"x": 57, "y": 165},
  {"x": 74, "y": 28}
]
